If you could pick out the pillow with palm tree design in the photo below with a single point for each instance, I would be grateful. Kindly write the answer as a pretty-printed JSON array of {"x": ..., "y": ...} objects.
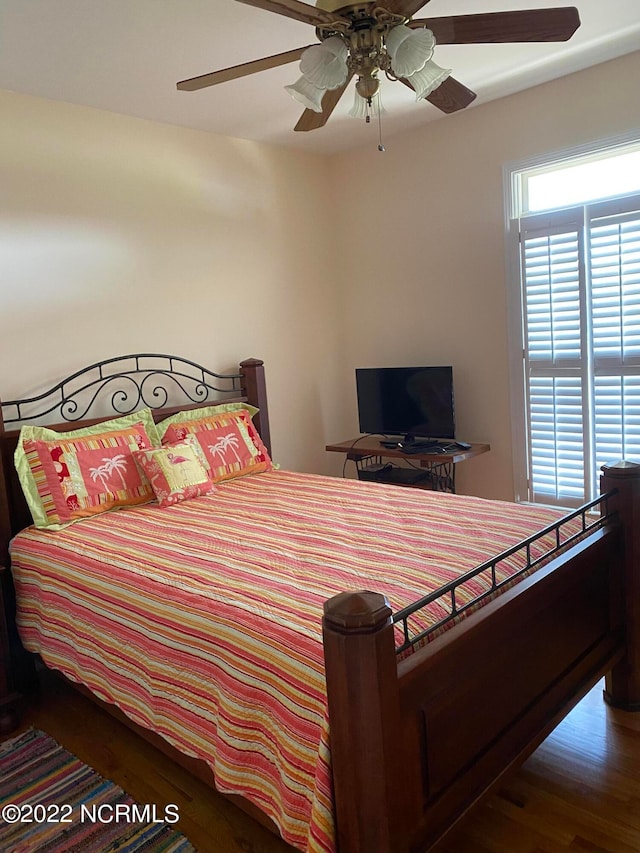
[
  {"x": 227, "y": 443},
  {"x": 79, "y": 477}
]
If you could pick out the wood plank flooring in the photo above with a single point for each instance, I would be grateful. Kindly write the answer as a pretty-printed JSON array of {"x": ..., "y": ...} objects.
[{"x": 580, "y": 791}]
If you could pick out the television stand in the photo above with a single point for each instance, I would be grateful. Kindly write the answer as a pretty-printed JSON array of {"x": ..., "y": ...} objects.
[
  {"x": 394, "y": 474},
  {"x": 429, "y": 469}
]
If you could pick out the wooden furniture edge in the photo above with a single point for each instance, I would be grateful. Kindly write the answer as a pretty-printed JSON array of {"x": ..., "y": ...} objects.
[
  {"x": 9, "y": 698},
  {"x": 622, "y": 684},
  {"x": 254, "y": 388},
  {"x": 355, "y": 451}
]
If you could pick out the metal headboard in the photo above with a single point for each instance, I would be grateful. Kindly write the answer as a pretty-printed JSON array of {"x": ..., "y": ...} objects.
[{"x": 122, "y": 385}]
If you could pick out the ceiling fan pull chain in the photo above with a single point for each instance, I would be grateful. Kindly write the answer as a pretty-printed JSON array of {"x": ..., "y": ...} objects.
[{"x": 380, "y": 144}]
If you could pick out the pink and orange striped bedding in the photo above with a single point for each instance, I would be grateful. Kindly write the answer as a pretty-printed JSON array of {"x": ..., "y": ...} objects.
[{"x": 202, "y": 622}]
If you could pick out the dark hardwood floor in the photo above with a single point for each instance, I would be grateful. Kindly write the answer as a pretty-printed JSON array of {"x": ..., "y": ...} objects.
[{"x": 580, "y": 791}]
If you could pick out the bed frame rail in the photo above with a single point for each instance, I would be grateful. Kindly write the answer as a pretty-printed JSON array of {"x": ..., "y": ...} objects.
[
  {"x": 591, "y": 516},
  {"x": 416, "y": 741}
]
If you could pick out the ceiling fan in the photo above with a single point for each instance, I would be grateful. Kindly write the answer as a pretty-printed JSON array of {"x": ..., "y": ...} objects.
[{"x": 370, "y": 38}]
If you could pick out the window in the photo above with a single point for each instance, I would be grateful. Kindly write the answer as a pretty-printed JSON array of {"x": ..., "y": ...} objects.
[{"x": 578, "y": 325}]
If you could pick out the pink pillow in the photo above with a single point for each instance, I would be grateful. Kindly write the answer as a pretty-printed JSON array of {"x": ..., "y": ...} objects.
[
  {"x": 228, "y": 444},
  {"x": 80, "y": 477}
]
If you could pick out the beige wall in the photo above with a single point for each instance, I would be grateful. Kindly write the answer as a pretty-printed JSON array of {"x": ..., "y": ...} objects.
[
  {"x": 423, "y": 245},
  {"x": 119, "y": 235}
]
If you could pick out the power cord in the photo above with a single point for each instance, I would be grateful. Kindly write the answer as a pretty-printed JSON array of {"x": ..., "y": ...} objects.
[{"x": 351, "y": 446}]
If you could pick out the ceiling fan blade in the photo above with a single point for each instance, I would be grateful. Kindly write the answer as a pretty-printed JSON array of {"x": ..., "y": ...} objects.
[
  {"x": 204, "y": 80},
  {"x": 449, "y": 97},
  {"x": 517, "y": 26},
  {"x": 311, "y": 120},
  {"x": 404, "y": 7},
  {"x": 298, "y": 11}
]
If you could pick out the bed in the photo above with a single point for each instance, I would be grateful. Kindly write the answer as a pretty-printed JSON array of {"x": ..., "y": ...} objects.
[{"x": 415, "y": 702}]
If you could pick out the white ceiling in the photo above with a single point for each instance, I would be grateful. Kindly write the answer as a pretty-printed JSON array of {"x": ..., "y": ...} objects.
[{"x": 127, "y": 55}]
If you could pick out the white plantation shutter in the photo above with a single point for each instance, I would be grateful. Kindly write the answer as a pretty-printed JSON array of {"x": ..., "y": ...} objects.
[
  {"x": 551, "y": 263},
  {"x": 553, "y": 296},
  {"x": 617, "y": 418},
  {"x": 556, "y": 438},
  {"x": 580, "y": 271},
  {"x": 614, "y": 246},
  {"x": 614, "y": 252}
]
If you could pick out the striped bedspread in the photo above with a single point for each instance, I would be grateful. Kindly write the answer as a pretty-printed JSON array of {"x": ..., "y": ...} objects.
[{"x": 202, "y": 621}]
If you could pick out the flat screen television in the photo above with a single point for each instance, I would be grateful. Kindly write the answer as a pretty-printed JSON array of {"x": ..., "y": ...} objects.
[{"x": 414, "y": 402}]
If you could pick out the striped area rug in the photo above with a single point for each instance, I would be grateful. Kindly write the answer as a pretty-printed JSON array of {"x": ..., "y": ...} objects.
[{"x": 50, "y": 802}]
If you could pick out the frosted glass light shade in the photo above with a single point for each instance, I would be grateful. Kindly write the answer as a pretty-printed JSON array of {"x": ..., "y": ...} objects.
[
  {"x": 361, "y": 109},
  {"x": 409, "y": 49},
  {"x": 307, "y": 94},
  {"x": 325, "y": 64},
  {"x": 428, "y": 78},
  {"x": 395, "y": 37}
]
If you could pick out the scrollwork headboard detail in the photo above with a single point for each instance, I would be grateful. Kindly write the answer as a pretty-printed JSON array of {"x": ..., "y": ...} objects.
[
  {"x": 125, "y": 383},
  {"x": 117, "y": 386}
]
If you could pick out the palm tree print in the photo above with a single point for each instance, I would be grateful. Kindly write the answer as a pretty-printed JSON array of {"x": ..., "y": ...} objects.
[
  {"x": 109, "y": 465},
  {"x": 225, "y": 441},
  {"x": 117, "y": 463}
]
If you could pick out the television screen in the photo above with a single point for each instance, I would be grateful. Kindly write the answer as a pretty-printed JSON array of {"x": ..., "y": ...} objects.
[{"x": 406, "y": 401}]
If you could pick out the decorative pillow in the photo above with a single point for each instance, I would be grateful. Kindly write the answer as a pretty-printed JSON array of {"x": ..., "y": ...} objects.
[
  {"x": 227, "y": 442},
  {"x": 40, "y": 433},
  {"x": 203, "y": 412},
  {"x": 175, "y": 472},
  {"x": 79, "y": 477}
]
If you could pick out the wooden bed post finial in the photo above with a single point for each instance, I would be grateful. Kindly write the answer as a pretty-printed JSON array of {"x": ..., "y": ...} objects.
[
  {"x": 622, "y": 688},
  {"x": 366, "y": 734},
  {"x": 254, "y": 388},
  {"x": 357, "y": 611}
]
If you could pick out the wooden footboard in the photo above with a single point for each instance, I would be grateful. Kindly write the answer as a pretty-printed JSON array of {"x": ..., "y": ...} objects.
[{"x": 415, "y": 743}]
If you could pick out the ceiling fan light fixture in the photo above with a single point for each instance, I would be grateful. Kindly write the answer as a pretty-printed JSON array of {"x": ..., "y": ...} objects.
[
  {"x": 367, "y": 85},
  {"x": 363, "y": 108},
  {"x": 367, "y": 39},
  {"x": 409, "y": 49},
  {"x": 307, "y": 94},
  {"x": 325, "y": 64},
  {"x": 428, "y": 78}
]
